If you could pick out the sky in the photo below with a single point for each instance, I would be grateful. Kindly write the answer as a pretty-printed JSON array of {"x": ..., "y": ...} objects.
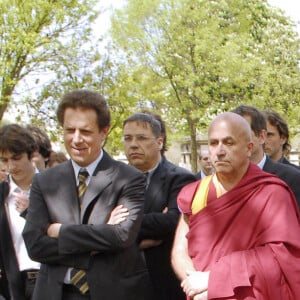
[
  {"x": 103, "y": 22},
  {"x": 291, "y": 9}
]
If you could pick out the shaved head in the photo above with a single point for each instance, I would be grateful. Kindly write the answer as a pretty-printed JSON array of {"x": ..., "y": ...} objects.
[
  {"x": 230, "y": 146},
  {"x": 235, "y": 121}
]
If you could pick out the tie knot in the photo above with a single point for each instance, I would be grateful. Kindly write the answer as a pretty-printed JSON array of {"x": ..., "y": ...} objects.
[{"x": 83, "y": 175}]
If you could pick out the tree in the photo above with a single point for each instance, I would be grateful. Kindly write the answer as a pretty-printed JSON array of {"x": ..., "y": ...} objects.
[
  {"x": 209, "y": 56},
  {"x": 37, "y": 37},
  {"x": 88, "y": 71}
]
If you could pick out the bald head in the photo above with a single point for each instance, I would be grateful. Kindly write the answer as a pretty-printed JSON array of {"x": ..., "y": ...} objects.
[
  {"x": 235, "y": 122},
  {"x": 230, "y": 146}
]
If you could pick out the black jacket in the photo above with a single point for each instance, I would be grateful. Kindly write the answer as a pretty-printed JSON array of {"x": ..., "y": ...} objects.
[
  {"x": 166, "y": 182},
  {"x": 11, "y": 280},
  {"x": 287, "y": 173}
]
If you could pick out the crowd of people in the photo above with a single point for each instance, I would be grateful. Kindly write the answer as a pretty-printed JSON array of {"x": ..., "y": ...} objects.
[{"x": 83, "y": 225}]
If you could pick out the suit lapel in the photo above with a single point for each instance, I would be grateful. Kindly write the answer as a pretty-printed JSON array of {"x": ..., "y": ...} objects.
[
  {"x": 101, "y": 178},
  {"x": 155, "y": 187},
  {"x": 269, "y": 166},
  {"x": 68, "y": 189}
]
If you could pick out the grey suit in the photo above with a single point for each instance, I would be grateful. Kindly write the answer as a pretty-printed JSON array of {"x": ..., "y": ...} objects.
[{"x": 108, "y": 253}]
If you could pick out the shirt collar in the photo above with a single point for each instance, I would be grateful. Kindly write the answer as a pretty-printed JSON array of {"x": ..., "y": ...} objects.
[
  {"x": 90, "y": 168},
  {"x": 153, "y": 169},
  {"x": 262, "y": 162},
  {"x": 203, "y": 175},
  {"x": 150, "y": 172},
  {"x": 13, "y": 187}
]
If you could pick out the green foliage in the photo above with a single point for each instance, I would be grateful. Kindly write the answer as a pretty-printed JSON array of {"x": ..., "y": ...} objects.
[
  {"x": 185, "y": 59},
  {"x": 38, "y": 37},
  {"x": 208, "y": 57}
]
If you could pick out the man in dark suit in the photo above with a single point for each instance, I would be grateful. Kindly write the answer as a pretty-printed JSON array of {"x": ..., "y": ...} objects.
[
  {"x": 258, "y": 125},
  {"x": 277, "y": 145},
  {"x": 144, "y": 137},
  {"x": 206, "y": 167},
  {"x": 18, "y": 271},
  {"x": 67, "y": 230}
]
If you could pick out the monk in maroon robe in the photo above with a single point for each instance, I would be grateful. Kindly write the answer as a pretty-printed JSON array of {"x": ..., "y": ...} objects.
[{"x": 239, "y": 237}]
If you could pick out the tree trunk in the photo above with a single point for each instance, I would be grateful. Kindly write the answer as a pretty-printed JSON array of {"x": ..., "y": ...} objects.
[{"x": 193, "y": 135}]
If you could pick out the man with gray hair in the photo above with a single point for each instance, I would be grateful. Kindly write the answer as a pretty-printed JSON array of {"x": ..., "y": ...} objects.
[{"x": 144, "y": 137}]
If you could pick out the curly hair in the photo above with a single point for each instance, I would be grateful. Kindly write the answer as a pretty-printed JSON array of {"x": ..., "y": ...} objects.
[{"x": 85, "y": 99}]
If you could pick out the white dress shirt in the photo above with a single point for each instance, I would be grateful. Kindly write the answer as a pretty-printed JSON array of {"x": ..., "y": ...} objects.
[{"x": 16, "y": 224}]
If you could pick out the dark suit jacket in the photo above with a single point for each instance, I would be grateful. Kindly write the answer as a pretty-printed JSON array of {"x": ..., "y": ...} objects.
[
  {"x": 166, "y": 182},
  {"x": 108, "y": 253},
  {"x": 283, "y": 160},
  {"x": 11, "y": 281},
  {"x": 287, "y": 173},
  {"x": 198, "y": 175}
]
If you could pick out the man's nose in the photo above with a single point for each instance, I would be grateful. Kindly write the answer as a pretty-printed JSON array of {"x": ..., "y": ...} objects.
[
  {"x": 77, "y": 138},
  {"x": 10, "y": 166},
  {"x": 220, "y": 149}
]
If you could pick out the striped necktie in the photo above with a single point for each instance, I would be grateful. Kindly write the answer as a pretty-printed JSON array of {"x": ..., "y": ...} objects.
[
  {"x": 82, "y": 186},
  {"x": 78, "y": 277}
]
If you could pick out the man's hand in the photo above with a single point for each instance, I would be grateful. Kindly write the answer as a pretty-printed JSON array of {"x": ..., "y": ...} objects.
[
  {"x": 201, "y": 296},
  {"x": 53, "y": 230},
  {"x": 21, "y": 201},
  {"x": 196, "y": 283},
  {"x": 148, "y": 243},
  {"x": 118, "y": 215},
  {"x": 165, "y": 210},
  {"x": 144, "y": 244}
]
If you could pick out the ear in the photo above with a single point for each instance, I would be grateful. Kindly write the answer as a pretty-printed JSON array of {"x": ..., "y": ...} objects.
[
  {"x": 160, "y": 142},
  {"x": 283, "y": 140},
  {"x": 250, "y": 149},
  {"x": 262, "y": 136},
  {"x": 105, "y": 130}
]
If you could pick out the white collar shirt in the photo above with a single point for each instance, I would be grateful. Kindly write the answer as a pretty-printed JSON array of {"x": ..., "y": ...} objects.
[
  {"x": 262, "y": 162},
  {"x": 16, "y": 224}
]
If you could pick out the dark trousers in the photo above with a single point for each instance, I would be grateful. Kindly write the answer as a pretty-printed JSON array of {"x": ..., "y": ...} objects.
[
  {"x": 29, "y": 287},
  {"x": 29, "y": 278},
  {"x": 70, "y": 292}
]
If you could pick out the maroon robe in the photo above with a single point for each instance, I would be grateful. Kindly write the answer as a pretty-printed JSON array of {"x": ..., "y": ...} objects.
[{"x": 249, "y": 239}]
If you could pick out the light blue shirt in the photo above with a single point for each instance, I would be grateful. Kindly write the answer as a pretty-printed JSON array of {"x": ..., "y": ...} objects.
[{"x": 90, "y": 168}]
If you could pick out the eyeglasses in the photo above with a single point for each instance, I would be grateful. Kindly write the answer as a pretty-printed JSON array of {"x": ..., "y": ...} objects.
[{"x": 139, "y": 138}]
